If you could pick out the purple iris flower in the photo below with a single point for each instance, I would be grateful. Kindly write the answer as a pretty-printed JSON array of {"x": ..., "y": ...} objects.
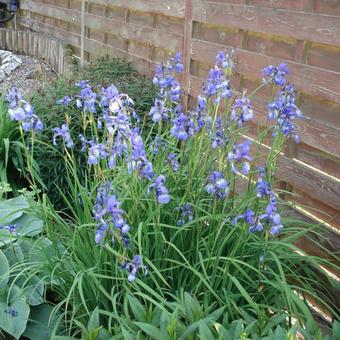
[
  {"x": 186, "y": 213},
  {"x": 173, "y": 162},
  {"x": 133, "y": 267},
  {"x": 240, "y": 155},
  {"x": 217, "y": 185},
  {"x": 159, "y": 111},
  {"x": 271, "y": 217},
  {"x": 13, "y": 97},
  {"x": 107, "y": 212},
  {"x": 285, "y": 111},
  {"x": 218, "y": 135},
  {"x": 263, "y": 188},
  {"x": 12, "y": 228},
  {"x": 64, "y": 133},
  {"x": 250, "y": 219},
  {"x": 162, "y": 192},
  {"x": 277, "y": 73},
  {"x": 64, "y": 101},
  {"x": 242, "y": 111},
  {"x": 96, "y": 152}
]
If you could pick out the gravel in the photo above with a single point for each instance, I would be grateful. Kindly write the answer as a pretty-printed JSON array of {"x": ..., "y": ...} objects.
[{"x": 31, "y": 75}]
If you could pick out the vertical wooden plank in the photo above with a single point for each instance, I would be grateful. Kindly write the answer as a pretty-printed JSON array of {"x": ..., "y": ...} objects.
[
  {"x": 82, "y": 32},
  {"x": 20, "y": 42},
  {"x": 188, "y": 22},
  {"x": 15, "y": 41},
  {"x": 9, "y": 40},
  {"x": 3, "y": 38}
]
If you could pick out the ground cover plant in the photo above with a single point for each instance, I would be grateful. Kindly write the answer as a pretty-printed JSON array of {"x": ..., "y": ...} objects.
[{"x": 172, "y": 227}]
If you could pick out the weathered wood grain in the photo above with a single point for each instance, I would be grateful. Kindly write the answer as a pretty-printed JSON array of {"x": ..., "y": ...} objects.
[
  {"x": 153, "y": 36},
  {"x": 71, "y": 38},
  {"x": 312, "y": 132},
  {"x": 313, "y": 80},
  {"x": 175, "y": 8},
  {"x": 300, "y": 25}
]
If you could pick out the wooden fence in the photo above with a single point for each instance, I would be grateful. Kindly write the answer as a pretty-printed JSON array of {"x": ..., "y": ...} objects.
[
  {"x": 303, "y": 33},
  {"x": 54, "y": 51}
]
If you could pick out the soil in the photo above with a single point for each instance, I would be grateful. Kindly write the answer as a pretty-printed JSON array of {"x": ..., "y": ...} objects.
[{"x": 31, "y": 75}]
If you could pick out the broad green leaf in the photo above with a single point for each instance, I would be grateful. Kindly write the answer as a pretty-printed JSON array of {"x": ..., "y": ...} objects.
[
  {"x": 14, "y": 254},
  {"x": 39, "y": 325},
  {"x": 164, "y": 321},
  {"x": 94, "y": 320},
  {"x": 279, "y": 334},
  {"x": 4, "y": 270},
  {"x": 29, "y": 225},
  {"x": 14, "y": 313},
  {"x": 12, "y": 209},
  {"x": 336, "y": 329},
  {"x": 6, "y": 143},
  {"x": 236, "y": 329},
  {"x": 193, "y": 310},
  {"x": 127, "y": 335},
  {"x": 152, "y": 331},
  {"x": 204, "y": 331},
  {"x": 104, "y": 334},
  {"x": 137, "y": 308},
  {"x": 34, "y": 292}
]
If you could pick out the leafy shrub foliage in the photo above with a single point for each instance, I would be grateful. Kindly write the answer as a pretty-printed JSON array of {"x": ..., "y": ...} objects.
[{"x": 102, "y": 72}]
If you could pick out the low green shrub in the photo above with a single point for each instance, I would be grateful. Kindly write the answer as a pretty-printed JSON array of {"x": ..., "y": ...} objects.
[
  {"x": 100, "y": 73},
  {"x": 22, "y": 284}
]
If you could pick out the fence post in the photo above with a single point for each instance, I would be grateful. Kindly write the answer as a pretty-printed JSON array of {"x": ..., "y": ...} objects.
[
  {"x": 82, "y": 33},
  {"x": 187, "y": 50}
]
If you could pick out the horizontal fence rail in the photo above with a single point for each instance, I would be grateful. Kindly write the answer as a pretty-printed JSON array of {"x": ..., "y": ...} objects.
[{"x": 304, "y": 34}]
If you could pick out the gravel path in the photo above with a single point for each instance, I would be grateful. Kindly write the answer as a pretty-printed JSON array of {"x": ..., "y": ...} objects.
[{"x": 31, "y": 75}]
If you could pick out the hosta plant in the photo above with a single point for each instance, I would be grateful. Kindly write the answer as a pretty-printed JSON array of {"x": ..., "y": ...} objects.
[
  {"x": 22, "y": 284},
  {"x": 186, "y": 203}
]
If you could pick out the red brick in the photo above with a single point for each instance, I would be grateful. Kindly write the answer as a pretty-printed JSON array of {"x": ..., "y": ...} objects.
[
  {"x": 270, "y": 45},
  {"x": 325, "y": 56},
  {"x": 327, "y": 7},
  {"x": 298, "y": 5},
  {"x": 141, "y": 18},
  {"x": 170, "y": 24}
]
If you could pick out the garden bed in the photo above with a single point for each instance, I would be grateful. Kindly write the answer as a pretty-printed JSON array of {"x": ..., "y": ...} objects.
[{"x": 139, "y": 220}]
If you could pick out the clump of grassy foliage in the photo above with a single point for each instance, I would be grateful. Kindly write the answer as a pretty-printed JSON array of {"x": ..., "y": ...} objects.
[
  {"x": 173, "y": 228},
  {"x": 100, "y": 73}
]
